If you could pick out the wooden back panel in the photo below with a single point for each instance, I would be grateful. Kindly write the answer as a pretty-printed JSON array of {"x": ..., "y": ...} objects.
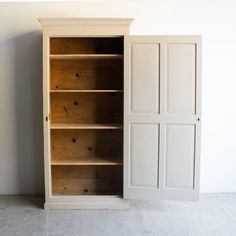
[
  {"x": 87, "y": 180},
  {"x": 87, "y": 107},
  {"x": 86, "y": 74},
  {"x": 77, "y": 144},
  {"x": 83, "y": 45}
]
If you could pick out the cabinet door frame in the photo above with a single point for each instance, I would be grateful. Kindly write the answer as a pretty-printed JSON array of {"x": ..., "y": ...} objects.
[
  {"x": 162, "y": 119},
  {"x": 46, "y": 115}
]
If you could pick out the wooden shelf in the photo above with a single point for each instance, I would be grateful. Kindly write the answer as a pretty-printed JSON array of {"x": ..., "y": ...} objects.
[
  {"x": 85, "y": 126},
  {"x": 85, "y": 91},
  {"x": 87, "y": 162},
  {"x": 85, "y": 56}
]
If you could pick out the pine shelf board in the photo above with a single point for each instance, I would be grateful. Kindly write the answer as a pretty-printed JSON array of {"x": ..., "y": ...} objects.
[
  {"x": 87, "y": 161},
  {"x": 85, "y": 91},
  {"x": 85, "y": 126},
  {"x": 85, "y": 56}
]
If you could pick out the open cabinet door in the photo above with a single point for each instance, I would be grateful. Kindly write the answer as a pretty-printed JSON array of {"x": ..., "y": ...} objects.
[{"x": 162, "y": 85}]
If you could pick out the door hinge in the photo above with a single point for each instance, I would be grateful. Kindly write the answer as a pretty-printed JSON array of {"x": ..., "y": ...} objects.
[{"x": 47, "y": 117}]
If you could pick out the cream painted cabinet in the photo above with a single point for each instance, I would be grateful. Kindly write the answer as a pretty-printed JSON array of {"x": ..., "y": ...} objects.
[{"x": 121, "y": 114}]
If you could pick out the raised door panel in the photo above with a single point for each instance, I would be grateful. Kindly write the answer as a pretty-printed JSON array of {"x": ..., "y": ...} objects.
[
  {"x": 144, "y": 87},
  {"x": 181, "y": 78},
  {"x": 144, "y": 155},
  {"x": 179, "y": 156}
]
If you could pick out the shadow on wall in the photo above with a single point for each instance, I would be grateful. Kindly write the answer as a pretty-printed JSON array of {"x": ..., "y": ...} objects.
[{"x": 28, "y": 104}]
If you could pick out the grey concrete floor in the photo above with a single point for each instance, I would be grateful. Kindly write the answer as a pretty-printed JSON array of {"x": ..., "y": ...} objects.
[{"x": 214, "y": 214}]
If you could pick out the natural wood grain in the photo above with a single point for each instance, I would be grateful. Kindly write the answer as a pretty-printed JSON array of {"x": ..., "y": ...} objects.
[
  {"x": 102, "y": 108},
  {"x": 86, "y": 116},
  {"x": 86, "y": 74},
  {"x": 87, "y": 180},
  {"x": 85, "y": 91},
  {"x": 85, "y": 56},
  {"x": 76, "y": 144},
  {"x": 88, "y": 161},
  {"x": 85, "y": 45},
  {"x": 84, "y": 126}
]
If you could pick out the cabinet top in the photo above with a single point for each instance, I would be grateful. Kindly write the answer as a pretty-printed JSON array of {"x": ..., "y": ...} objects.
[{"x": 85, "y": 21}]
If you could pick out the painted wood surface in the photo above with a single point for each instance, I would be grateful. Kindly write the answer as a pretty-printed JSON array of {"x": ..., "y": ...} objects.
[{"x": 162, "y": 91}]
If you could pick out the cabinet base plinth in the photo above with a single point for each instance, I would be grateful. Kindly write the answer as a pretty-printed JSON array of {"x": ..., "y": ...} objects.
[{"x": 87, "y": 203}]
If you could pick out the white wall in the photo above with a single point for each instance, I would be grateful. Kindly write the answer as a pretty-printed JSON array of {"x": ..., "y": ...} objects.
[{"x": 21, "y": 148}]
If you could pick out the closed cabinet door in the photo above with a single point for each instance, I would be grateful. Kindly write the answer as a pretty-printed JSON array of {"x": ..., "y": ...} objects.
[{"x": 162, "y": 117}]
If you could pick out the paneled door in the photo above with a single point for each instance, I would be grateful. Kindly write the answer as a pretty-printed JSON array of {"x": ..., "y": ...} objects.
[{"x": 162, "y": 86}]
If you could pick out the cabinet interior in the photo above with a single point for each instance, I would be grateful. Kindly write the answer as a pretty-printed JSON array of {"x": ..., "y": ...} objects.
[
  {"x": 86, "y": 74},
  {"x": 87, "y": 108},
  {"x": 87, "y": 45},
  {"x": 86, "y": 115},
  {"x": 81, "y": 145},
  {"x": 86, "y": 180}
]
